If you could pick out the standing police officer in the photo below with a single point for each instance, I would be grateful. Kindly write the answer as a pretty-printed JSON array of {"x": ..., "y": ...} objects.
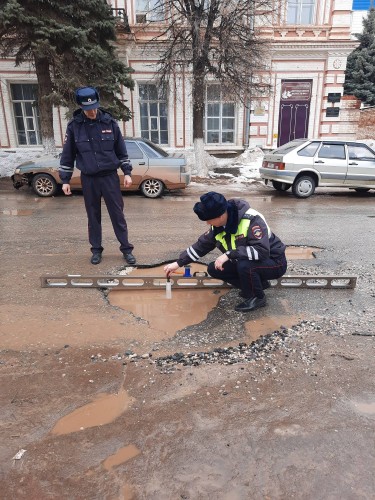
[
  {"x": 251, "y": 253},
  {"x": 93, "y": 140}
]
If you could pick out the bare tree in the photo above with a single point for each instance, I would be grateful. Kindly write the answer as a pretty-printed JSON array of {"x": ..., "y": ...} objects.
[{"x": 222, "y": 41}]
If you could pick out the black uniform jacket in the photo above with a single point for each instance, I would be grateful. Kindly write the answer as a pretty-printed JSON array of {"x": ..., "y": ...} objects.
[
  {"x": 258, "y": 244},
  {"x": 97, "y": 146}
]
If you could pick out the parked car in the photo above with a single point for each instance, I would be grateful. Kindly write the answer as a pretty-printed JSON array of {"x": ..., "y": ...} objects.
[
  {"x": 304, "y": 164},
  {"x": 153, "y": 171}
]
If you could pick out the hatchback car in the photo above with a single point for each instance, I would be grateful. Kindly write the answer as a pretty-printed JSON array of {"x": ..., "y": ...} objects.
[
  {"x": 153, "y": 171},
  {"x": 305, "y": 164}
]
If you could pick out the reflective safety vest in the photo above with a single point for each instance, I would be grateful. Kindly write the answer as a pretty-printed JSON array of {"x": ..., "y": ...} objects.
[{"x": 228, "y": 241}]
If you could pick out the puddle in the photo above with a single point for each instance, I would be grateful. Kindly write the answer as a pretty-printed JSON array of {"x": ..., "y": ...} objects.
[
  {"x": 189, "y": 307},
  {"x": 104, "y": 409},
  {"x": 185, "y": 308},
  {"x": 122, "y": 455},
  {"x": 16, "y": 212},
  {"x": 301, "y": 253},
  {"x": 365, "y": 408},
  {"x": 257, "y": 327}
]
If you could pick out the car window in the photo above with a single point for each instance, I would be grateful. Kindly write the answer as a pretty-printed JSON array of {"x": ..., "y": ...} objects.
[
  {"x": 360, "y": 153},
  {"x": 133, "y": 150},
  {"x": 309, "y": 150},
  {"x": 336, "y": 151},
  {"x": 289, "y": 146},
  {"x": 150, "y": 151}
]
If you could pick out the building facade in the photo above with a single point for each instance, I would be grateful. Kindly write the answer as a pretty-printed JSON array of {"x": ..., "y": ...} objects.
[{"x": 310, "y": 42}]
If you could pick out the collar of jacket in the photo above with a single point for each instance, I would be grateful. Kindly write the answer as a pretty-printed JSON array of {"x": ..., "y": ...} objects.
[
  {"x": 102, "y": 116},
  {"x": 232, "y": 222}
]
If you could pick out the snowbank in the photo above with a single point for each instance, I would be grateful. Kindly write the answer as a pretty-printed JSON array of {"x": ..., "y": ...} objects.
[
  {"x": 245, "y": 166},
  {"x": 10, "y": 158}
]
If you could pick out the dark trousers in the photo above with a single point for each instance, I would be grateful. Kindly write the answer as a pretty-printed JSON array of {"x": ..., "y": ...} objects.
[
  {"x": 248, "y": 275},
  {"x": 108, "y": 187}
]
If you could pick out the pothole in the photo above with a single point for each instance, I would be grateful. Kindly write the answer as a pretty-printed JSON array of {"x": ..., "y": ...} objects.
[
  {"x": 184, "y": 308},
  {"x": 301, "y": 252},
  {"x": 189, "y": 307}
]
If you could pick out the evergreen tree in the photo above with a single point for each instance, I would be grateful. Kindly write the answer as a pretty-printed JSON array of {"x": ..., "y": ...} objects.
[
  {"x": 360, "y": 69},
  {"x": 70, "y": 44}
]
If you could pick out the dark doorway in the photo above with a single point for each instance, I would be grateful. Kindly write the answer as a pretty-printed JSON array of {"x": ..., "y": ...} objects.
[{"x": 294, "y": 110}]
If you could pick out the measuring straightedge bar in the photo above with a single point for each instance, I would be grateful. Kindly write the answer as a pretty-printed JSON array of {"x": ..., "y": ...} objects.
[{"x": 196, "y": 281}]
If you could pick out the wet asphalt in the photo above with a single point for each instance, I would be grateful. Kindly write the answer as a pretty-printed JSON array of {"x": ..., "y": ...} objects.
[{"x": 294, "y": 420}]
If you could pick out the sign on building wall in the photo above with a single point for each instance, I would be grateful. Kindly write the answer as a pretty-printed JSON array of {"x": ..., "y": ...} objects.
[{"x": 296, "y": 91}]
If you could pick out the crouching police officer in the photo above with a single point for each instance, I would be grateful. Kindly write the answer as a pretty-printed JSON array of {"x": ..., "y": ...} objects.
[
  {"x": 93, "y": 139},
  {"x": 251, "y": 253}
]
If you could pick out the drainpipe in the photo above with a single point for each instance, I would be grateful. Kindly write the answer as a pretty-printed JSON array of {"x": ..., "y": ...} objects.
[{"x": 247, "y": 127}]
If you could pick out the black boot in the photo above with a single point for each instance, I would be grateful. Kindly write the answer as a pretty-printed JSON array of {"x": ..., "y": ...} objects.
[
  {"x": 130, "y": 259},
  {"x": 96, "y": 258},
  {"x": 251, "y": 304}
]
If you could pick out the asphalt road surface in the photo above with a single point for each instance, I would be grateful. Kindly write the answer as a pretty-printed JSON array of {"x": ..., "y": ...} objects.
[{"x": 108, "y": 396}]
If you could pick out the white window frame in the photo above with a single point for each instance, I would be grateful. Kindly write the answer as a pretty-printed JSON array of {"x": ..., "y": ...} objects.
[
  {"x": 220, "y": 117},
  {"x": 299, "y": 6},
  {"x": 148, "y": 11},
  {"x": 34, "y": 117},
  {"x": 152, "y": 131}
]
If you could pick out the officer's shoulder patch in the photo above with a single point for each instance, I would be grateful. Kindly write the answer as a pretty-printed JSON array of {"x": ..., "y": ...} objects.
[{"x": 257, "y": 232}]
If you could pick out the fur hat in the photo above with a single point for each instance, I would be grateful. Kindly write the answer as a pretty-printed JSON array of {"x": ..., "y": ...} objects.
[
  {"x": 87, "y": 98},
  {"x": 211, "y": 206}
]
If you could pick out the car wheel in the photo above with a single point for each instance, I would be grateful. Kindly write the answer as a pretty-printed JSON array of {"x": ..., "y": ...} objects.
[
  {"x": 281, "y": 186},
  {"x": 362, "y": 190},
  {"x": 304, "y": 186},
  {"x": 44, "y": 185},
  {"x": 152, "y": 188}
]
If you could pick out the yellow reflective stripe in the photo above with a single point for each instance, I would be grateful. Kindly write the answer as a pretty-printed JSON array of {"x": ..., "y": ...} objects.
[{"x": 243, "y": 228}]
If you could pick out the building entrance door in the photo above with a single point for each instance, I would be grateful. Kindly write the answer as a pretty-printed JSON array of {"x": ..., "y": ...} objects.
[{"x": 294, "y": 110}]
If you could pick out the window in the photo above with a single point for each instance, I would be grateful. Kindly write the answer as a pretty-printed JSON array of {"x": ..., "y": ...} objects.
[
  {"x": 152, "y": 150},
  {"x": 300, "y": 11},
  {"x": 219, "y": 117},
  {"x": 309, "y": 150},
  {"x": 336, "y": 151},
  {"x": 133, "y": 151},
  {"x": 360, "y": 153},
  {"x": 148, "y": 10},
  {"x": 26, "y": 115},
  {"x": 153, "y": 113}
]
